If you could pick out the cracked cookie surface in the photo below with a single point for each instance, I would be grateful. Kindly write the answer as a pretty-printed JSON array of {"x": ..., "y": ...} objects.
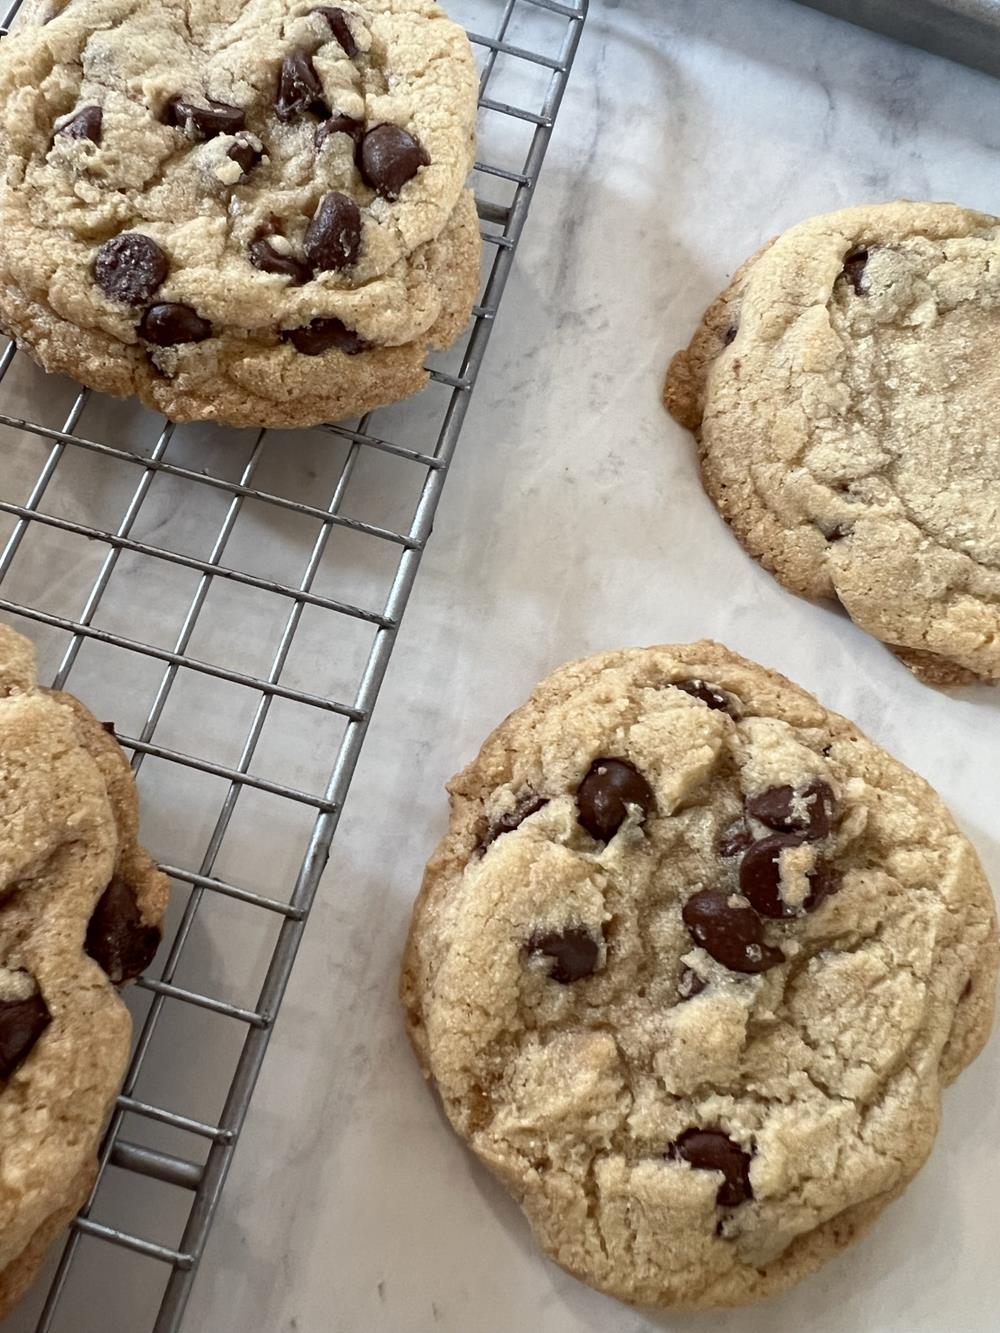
[
  {"x": 690, "y": 970},
  {"x": 80, "y": 911},
  {"x": 251, "y": 212},
  {"x": 842, "y": 390}
]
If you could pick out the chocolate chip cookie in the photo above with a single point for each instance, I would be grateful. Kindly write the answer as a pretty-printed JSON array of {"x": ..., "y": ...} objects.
[
  {"x": 80, "y": 911},
  {"x": 842, "y": 390},
  {"x": 690, "y": 970},
  {"x": 249, "y": 212}
]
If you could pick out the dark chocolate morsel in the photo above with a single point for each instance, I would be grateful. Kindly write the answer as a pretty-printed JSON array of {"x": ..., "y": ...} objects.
[
  {"x": 130, "y": 267},
  {"x": 339, "y": 123},
  {"x": 109, "y": 727},
  {"x": 22, "y": 1022},
  {"x": 807, "y": 810},
  {"x": 760, "y": 878},
  {"x": 245, "y": 155},
  {"x": 527, "y": 806},
  {"x": 574, "y": 953},
  {"x": 388, "y": 157},
  {"x": 170, "y": 323},
  {"x": 333, "y": 238},
  {"x": 86, "y": 124},
  {"x": 710, "y": 695},
  {"x": 339, "y": 27},
  {"x": 732, "y": 933},
  {"x": 604, "y": 795},
  {"x": 729, "y": 335},
  {"x": 733, "y": 840},
  {"x": 117, "y": 939},
  {"x": 264, "y": 256},
  {"x": 322, "y": 335},
  {"x": 854, "y": 270},
  {"x": 299, "y": 87},
  {"x": 204, "y": 122},
  {"x": 711, "y": 1150},
  {"x": 690, "y": 985}
]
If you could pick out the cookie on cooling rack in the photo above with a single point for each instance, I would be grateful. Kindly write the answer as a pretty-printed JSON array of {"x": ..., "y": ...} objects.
[
  {"x": 690, "y": 970},
  {"x": 843, "y": 391},
  {"x": 81, "y": 906},
  {"x": 249, "y": 212}
]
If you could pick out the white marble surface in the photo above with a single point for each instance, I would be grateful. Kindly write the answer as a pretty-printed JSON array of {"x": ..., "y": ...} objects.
[{"x": 574, "y": 521}]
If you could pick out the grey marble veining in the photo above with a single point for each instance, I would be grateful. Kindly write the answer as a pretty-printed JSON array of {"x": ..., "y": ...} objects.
[{"x": 574, "y": 521}]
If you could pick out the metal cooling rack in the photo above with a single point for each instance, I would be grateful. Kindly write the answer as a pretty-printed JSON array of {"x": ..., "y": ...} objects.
[{"x": 157, "y": 600}]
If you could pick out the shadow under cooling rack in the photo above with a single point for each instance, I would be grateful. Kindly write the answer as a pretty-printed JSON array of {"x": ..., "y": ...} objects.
[{"x": 230, "y": 600}]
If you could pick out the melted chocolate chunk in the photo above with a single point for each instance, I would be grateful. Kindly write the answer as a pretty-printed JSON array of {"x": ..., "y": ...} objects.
[
  {"x": 171, "y": 322},
  {"x": 339, "y": 123},
  {"x": 22, "y": 1022},
  {"x": 204, "y": 122},
  {"x": 322, "y": 335},
  {"x": 339, "y": 27},
  {"x": 109, "y": 727},
  {"x": 760, "y": 878},
  {"x": 711, "y": 1150},
  {"x": 388, "y": 157},
  {"x": 574, "y": 953},
  {"x": 86, "y": 124},
  {"x": 710, "y": 695},
  {"x": 730, "y": 932},
  {"x": 690, "y": 985},
  {"x": 527, "y": 806},
  {"x": 604, "y": 795},
  {"x": 117, "y": 939},
  {"x": 854, "y": 271},
  {"x": 264, "y": 256},
  {"x": 299, "y": 87},
  {"x": 729, "y": 336},
  {"x": 245, "y": 155},
  {"x": 733, "y": 840},
  {"x": 333, "y": 238},
  {"x": 807, "y": 810},
  {"x": 130, "y": 267}
]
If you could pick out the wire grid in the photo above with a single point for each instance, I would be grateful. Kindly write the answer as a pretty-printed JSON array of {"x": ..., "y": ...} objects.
[{"x": 64, "y": 580}]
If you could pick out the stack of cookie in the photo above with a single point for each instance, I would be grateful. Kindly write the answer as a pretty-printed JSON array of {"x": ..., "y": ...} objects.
[
  {"x": 254, "y": 213},
  {"x": 81, "y": 906}
]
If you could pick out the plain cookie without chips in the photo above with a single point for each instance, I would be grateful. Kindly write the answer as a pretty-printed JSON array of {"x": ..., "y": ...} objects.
[
  {"x": 844, "y": 392},
  {"x": 81, "y": 906},
  {"x": 249, "y": 212},
  {"x": 690, "y": 970}
]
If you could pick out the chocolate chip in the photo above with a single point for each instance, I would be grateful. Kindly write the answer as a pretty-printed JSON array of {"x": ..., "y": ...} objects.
[
  {"x": 86, "y": 124},
  {"x": 130, "y": 267},
  {"x": 299, "y": 87},
  {"x": 734, "y": 839},
  {"x": 171, "y": 323},
  {"x": 388, "y": 157},
  {"x": 760, "y": 878},
  {"x": 116, "y": 936},
  {"x": 807, "y": 810},
  {"x": 711, "y": 1150},
  {"x": 709, "y": 695},
  {"x": 333, "y": 238},
  {"x": 321, "y": 335},
  {"x": 109, "y": 727},
  {"x": 729, "y": 335},
  {"x": 204, "y": 122},
  {"x": 245, "y": 155},
  {"x": 604, "y": 795},
  {"x": 339, "y": 123},
  {"x": 527, "y": 806},
  {"x": 730, "y": 932},
  {"x": 574, "y": 953},
  {"x": 854, "y": 270},
  {"x": 838, "y": 533},
  {"x": 22, "y": 1022},
  {"x": 690, "y": 984},
  {"x": 339, "y": 26},
  {"x": 264, "y": 256}
]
